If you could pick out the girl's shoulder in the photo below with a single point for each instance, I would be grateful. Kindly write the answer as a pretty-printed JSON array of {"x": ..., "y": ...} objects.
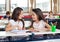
[
  {"x": 42, "y": 21},
  {"x": 11, "y": 21}
]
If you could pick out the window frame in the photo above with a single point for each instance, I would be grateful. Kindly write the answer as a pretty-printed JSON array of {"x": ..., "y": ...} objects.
[
  {"x": 4, "y": 9},
  {"x": 51, "y": 2},
  {"x": 27, "y": 6}
]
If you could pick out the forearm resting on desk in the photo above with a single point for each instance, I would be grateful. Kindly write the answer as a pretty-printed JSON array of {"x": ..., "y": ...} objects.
[
  {"x": 39, "y": 30},
  {"x": 8, "y": 29}
]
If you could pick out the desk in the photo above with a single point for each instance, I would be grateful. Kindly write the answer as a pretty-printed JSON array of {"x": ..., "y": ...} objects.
[
  {"x": 49, "y": 32},
  {"x": 54, "y": 20},
  {"x": 7, "y": 34},
  {"x": 52, "y": 40},
  {"x": 38, "y": 36},
  {"x": 4, "y": 33}
]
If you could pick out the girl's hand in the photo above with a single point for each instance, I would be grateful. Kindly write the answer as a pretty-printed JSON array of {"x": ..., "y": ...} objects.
[{"x": 33, "y": 30}]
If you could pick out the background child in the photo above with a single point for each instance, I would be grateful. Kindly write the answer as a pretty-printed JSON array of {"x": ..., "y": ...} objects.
[{"x": 7, "y": 16}]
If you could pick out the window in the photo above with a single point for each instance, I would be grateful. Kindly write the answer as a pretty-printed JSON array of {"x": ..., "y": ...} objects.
[
  {"x": 44, "y": 5},
  {"x": 2, "y": 6},
  {"x": 19, "y": 3}
]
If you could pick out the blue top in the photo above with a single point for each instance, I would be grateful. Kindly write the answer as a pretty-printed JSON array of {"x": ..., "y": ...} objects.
[{"x": 6, "y": 17}]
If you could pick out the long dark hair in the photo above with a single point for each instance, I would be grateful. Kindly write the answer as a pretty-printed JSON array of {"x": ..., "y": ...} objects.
[
  {"x": 16, "y": 13},
  {"x": 39, "y": 14}
]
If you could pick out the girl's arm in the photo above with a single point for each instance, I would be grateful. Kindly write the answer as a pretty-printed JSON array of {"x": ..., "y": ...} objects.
[
  {"x": 8, "y": 27},
  {"x": 48, "y": 26}
]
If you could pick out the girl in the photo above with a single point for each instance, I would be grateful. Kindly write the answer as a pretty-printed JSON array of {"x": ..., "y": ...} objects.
[
  {"x": 16, "y": 22},
  {"x": 39, "y": 23}
]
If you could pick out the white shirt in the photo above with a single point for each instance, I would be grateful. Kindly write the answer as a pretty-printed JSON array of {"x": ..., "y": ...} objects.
[
  {"x": 13, "y": 23},
  {"x": 39, "y": 25}
]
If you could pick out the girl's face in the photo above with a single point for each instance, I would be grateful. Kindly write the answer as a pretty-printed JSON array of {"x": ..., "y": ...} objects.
[
  {"x": 34, "y": 16},
  {"x": 21, "y": 15}
]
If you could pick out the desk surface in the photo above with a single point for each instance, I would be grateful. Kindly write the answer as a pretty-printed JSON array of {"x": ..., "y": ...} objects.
[
  {"x": 49, "y": 32},
  {"x": 52, "y": 40},
  {"x": 52, "y": 18},
  {"x": 4, "y": 33}
]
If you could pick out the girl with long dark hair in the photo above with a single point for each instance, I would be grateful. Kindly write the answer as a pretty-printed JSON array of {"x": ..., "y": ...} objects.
[
  {"x": 16, "y": 23},
  {"x": 39, "y": 23}
]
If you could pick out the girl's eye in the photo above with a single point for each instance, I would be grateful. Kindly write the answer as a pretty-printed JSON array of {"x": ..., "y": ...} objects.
[
  {"x": 33, "y": 14},
  {"x": 30, "y": 15}
]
